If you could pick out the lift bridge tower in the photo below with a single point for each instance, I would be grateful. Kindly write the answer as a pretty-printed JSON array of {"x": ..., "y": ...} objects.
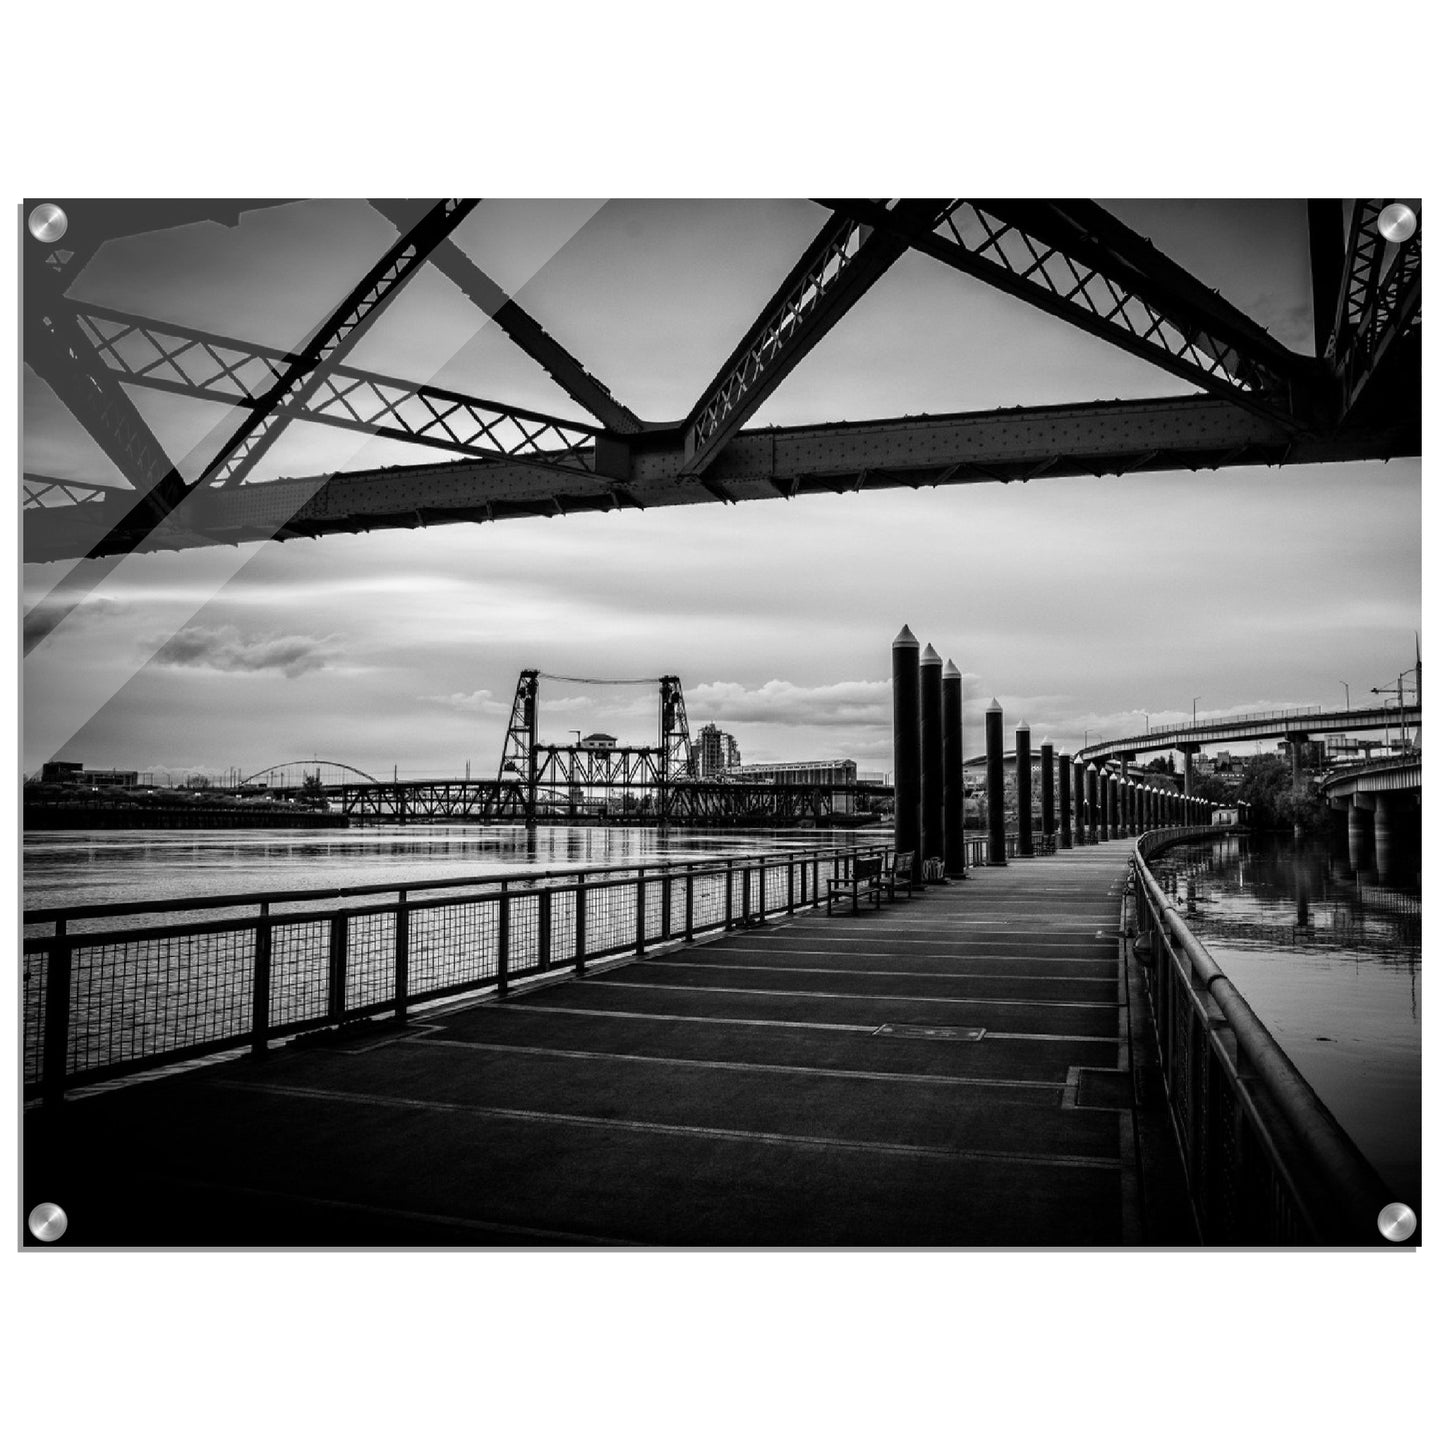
[{"x": 560, "y": 780}]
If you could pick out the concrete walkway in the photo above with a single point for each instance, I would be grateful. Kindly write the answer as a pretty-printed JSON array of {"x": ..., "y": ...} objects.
[{"x": 815, "y": 1081}]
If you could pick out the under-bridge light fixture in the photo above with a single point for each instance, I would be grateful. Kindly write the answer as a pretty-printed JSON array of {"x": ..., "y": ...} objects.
[{"x": 1396, "y": 223}]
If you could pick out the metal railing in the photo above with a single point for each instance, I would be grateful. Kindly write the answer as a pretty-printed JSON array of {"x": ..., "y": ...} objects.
[
  {"x": 102, "y": 1000},
  {"x": 1266, "y": 1161}
]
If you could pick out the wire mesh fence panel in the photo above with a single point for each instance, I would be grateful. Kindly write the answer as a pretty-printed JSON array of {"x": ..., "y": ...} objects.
[
  {"x": 146, "y": 997},
  {"x": 299, "y": 971},
  {"x": 524, "y": 911},
  {"x": 775, "y": 885},
  {"x": 707, "y": 900},
  {"x": 652, "y": 911},
  {"x": 677, "y": 906},
  {"x": 34, "y": 976},
  {"x": 611, "y": 918},
  {"x": 453, "y": 945},
  {"x": 735, "y": 881},
  {"x": 563, "y": 945},
  {"x": 370, "y": 960}
]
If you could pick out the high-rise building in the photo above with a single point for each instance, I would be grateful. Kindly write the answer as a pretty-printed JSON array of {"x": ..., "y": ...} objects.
[{"x": 714, "y": 752}]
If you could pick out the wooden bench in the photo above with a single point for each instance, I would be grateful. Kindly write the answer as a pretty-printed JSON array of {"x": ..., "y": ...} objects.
[
  {"x": 899, "y": 875},
  {"x": 865, "y": 879}
]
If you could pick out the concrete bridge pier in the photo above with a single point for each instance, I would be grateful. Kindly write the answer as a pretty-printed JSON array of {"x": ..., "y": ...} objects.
[
  {"x": 1361, "y": 828},
  {"x": 1023, "y": 761},
  {"x": 1081, "y": 806},
  {"x": 1091, "y": 782},
  {"x": 930, "y": 687},
  {"x": 1046, "y": 786},
  {"x": 907, "y": 748},
  {"x": 1066, "y": 824},
  {"x": 1384, "y": 835},
  {"x": 954, "y": 857},
  {"x": 1188, "y": 749},
  {"x": 993, "y": 749},
  {"x": 1296, "y": 743}
]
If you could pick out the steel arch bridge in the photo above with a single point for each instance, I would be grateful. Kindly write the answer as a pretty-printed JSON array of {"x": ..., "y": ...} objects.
[
  {"x": 1247, "y": 398},
  {"x": 291, "y": 776}
]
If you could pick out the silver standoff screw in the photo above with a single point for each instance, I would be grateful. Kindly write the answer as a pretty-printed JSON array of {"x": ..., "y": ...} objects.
[
  {"x": 1396, "y": 1222},
  {"x": 48, "y": 223},
  {"x": 48, "y": 1222}
]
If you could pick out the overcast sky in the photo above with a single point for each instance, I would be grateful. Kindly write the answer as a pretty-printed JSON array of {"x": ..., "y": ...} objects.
[{"x": 1079, "y": 603}]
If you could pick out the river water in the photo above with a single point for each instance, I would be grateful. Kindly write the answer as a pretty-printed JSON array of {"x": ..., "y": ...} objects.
[
  {"x": 127, "y": 866},
  {"x": 1330, "y": 961}
]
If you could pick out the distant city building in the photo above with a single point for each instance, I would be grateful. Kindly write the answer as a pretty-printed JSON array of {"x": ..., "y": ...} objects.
[
  {"x": 96, "y": 778},
  {"x": 714, "y": 752},
  {"x": 839, "y": 774}
]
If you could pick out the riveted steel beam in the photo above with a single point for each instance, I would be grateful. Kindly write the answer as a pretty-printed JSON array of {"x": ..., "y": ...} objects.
[
  {"x": 524, "y": 330},
  {"x": 843, "y": 261},
  {"x": 1017, "y": 444},
  {"x": 59, "y": 353},
  {"x": 189, "y": 362},
  {"x": 1075, "y": 261}
]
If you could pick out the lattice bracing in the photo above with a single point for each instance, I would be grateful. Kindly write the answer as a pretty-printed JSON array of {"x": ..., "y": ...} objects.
[
  {"x": 1040, "y": 248},
  {"x": 835, "y": 254},
  {"x": 1379, "y": 300},
  {"x": 208, "y": 367},
  {"x": 306, "y": 373}
]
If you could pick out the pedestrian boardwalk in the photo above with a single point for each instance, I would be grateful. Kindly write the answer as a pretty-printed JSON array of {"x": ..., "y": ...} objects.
[{"x": 810, "y": 1081}]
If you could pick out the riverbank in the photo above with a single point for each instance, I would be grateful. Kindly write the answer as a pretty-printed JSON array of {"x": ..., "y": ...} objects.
[{"x": 80, "y": 817}]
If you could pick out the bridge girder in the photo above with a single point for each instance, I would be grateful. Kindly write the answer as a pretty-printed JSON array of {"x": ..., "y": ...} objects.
[
  {"x": 523, "y": 329},
  {"x": 1378, "y": 304},
  {"x": 1068, "y": 257},
  {"x": 57, "y": 349},
  {"x": 843, "y": 261},
  {"x": 1017, "y": 444},
  {"x": 206, "y": 366},
  {"x": 1075, "y": 261}
]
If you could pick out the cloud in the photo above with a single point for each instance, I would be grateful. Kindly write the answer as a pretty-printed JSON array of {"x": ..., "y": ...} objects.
[
  {"x": 480, "y": 701},
  {"x": 838, "y": 704},
  {"x": 226, "y": 649},
  {"x": 59, "y": 607}
]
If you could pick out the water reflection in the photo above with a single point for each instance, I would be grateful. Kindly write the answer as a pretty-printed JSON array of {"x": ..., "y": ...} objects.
[
  {"x": 126, "y": 866},
  {"x": 1330, "y": 959}
]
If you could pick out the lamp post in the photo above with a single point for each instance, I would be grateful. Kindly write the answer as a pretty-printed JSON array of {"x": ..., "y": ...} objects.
[
  {"x": 1194, "y": 713},
  {"x": 1346, "y": 687}
]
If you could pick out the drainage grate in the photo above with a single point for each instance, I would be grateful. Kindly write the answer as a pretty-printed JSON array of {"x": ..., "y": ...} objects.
[{"x": 928, "y": 1031}]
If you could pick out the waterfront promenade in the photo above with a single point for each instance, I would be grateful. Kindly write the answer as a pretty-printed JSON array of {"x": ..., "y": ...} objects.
[{"x": 811, "y": 1081}]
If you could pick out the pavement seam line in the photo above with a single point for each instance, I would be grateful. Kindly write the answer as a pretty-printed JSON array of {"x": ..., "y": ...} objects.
[
  {"x": 889, "y": 998},
  {"x": 1050, "y": 1086},
  {"x": 698, "y": 1131}
]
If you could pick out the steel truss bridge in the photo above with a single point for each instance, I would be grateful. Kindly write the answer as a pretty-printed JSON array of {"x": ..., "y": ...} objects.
[
  {"x": 548, "y": 782},
  {"x": 1249, "y": 400},
  {"x": 689, "y": 802}
]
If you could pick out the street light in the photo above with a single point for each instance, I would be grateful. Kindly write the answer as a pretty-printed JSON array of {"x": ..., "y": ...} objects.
[
  {"x": 1346, "y": 687},
  {"x": 1194, "y": 713},
  {"x": 1086, "y": 739}
]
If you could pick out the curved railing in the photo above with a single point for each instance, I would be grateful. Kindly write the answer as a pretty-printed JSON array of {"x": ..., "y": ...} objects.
[{"x": 1265, "y": 1160}]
